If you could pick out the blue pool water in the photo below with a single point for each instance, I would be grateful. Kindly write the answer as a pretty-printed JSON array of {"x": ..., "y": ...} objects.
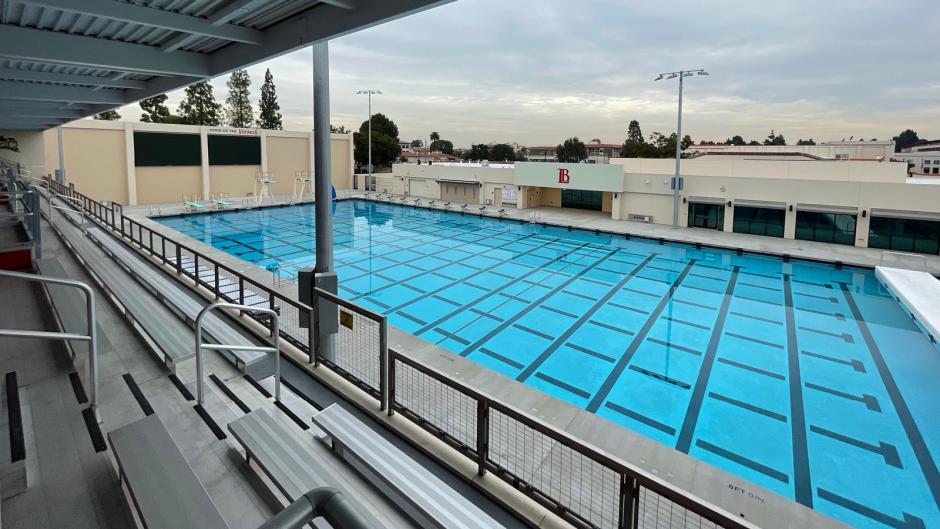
[{"x": 806, "y": 379}]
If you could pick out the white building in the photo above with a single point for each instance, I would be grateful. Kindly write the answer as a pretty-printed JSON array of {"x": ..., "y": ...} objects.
[
  {"x": 832, "y": 150},
  {"x": 923, "y": 159}
]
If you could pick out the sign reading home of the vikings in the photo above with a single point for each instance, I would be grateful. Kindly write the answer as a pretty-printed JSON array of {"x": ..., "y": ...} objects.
[{"x": 227, "y": 131}]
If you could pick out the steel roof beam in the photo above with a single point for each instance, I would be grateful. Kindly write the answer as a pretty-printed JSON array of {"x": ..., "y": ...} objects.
[
  {"x": 47, "y": 92},
  {"x": 147, "y": 16},
  {"x": 345, "y": 4},
  {"x": 16, "y": 111},
  {"x": 12, "y": 74},
  {"x": 55, "y": 105},
  {"x": 27, "y": 44}
]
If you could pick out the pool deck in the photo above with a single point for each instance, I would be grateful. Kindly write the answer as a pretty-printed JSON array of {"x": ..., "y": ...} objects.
[{"x": 726, "y": 491}]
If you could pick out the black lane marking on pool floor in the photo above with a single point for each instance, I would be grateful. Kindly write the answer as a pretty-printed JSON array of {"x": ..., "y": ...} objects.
[
  {"x": 802, "y": 484},
  {"x": 750, "y": 407},
  {"x": 763, "y": 287},
  {"x": 638, "y": 340},
  {"x": 627, "y": 307},
  {"x": 837, "y": 315},
  {"x": 519, "y": 315},
  {"x": 445, "y": 300},
  {"x": 586, "y": 317},
  {"x": 677, "y": 347},
  {"x": 610, "y": 327},
  {"x": 451, "y": 335},
  {"x": 485, "y": 314},
  {"x": 501, "y": 358},
  {"x": 533, "y": 332},
  {"x": 687, "y": 323},
  {"x": 870, "y": 401},
  {"x": 590, "y": 352},
  {"x": 908, "y": 522},
  {"x": 886, "y": 450},
  {"x": 752, "y": 369},
  {"x": 830, "y": 299},
  {"x": 559, "y": 311},
  {"x": 743, "y": 461},
  {"x": 754, "y": 340},
  {"x": 415, "y": 319},
  {"x": 757, "y": 318},
  {"x": 694, "y": 304},
  {"x": 855, "y": 364},
  {"x": 563, "y": 385},
  {"x": 687, "y": 430},
  {"x": 578, "y": 294},
  {"x": 847, "y": 338},
  {"x": 758, "y": 300},
  {"x": 665, "y": 428},
  {"x": 659, "y": 376}
]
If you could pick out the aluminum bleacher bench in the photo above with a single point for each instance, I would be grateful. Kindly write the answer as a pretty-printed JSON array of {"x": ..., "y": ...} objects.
[
  {"x": 413, "y": 487},
  {"x": 183, "y": 303},
  {"x": 292, "y": 468},
  {"x": 163, "y": 492}
]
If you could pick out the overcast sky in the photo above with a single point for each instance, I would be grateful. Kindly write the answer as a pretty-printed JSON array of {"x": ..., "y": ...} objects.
[{"x": 538, "y": 71}]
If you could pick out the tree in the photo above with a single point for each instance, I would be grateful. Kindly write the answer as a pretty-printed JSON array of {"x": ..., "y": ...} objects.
[
  {"x": 774, "y": 139},
  {"x": 572, "y": 150},
  {"x": 502, "y": 152},
  {"x": 635, "y": 146},
  {"x": 736, "y": 140},
  {"x": 904, "y": 140},
  {"x": 269, "y": 111},
  {"x": 238, "y": 112},
  {"x": 416, "y": 144},
  {"x": 435, "y": 136},
  {"x": 801, "y": 141},
  {"x": 385, "y": 148},
  {"x": 199, "y": 107},
  {"x": 155, "y": 110},
  {"x": 753, "y": 142},
  {"x": 339, "y": 130},
  {"x": 443, "y": 146},
  {"x": 477, "y": 152},
  {"x": 108, "y": 115}
]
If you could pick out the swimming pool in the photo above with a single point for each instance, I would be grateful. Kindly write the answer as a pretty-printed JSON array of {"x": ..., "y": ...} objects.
[{"x": 807, "y": 379}]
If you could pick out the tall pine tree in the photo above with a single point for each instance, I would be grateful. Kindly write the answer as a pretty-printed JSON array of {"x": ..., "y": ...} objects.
[
  {"x": 269, "y": 111},
  {"x": 155, "y": 110},
  {"x": 238, "y": 111},
  {"x": 200, "y": 107}
]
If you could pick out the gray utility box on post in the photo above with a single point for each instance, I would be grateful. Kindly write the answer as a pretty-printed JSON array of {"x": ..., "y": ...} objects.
[{"x": 326, "y": 312}]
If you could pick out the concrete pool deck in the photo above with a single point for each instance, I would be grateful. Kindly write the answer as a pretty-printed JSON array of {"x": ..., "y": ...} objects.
[{"x": 717, "y": 487}]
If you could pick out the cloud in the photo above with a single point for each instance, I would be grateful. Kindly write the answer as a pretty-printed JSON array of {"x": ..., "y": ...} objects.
[{"x": 538, "y": 71}]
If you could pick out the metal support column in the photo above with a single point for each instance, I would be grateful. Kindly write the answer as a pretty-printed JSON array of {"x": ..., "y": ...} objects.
[
  {"x": 60, "y": 174},
  {"x": 325, "y": 272},
  {"x": 677, "y": 182}
]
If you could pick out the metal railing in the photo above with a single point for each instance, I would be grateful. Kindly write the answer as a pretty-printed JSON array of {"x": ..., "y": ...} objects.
[
  {"x": 276, "y": 349},
  {"x": 325, "y": 502},
  {"x": 581, "y": 484},
  {"x": 91, "y": 337}
]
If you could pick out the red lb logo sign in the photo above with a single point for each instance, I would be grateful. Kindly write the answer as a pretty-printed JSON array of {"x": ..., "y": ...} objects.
[{"x": 564, "y": 177}]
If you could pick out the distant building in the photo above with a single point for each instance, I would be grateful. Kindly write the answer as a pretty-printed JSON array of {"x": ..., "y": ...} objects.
[
  {"x": 833, "y": 150},
  {"x": 423, "y": 154},
  {"x": 597, "y": 152},
  {"x": 923, "y": 159}
]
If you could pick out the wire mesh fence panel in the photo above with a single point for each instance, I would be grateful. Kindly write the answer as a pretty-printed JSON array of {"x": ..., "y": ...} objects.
[
  {"x": 358, "y": 342},
  {"x": 658, "y": 512},
  {"x": 572, "y": 480},
  {"x": 438, "y": 407},
  {"x": 291, "y": 315}
]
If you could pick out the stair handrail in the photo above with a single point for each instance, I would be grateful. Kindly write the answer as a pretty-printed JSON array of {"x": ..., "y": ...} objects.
[
  {"x": 325, "y": 502},
  {"x": 276, "y": 348},
  {"x": 91, "y": 337}
]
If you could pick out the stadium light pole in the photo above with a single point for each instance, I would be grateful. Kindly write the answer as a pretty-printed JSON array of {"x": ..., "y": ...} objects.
[
  {"x": 676, "y": 183},
  {"x": 370, "y": 93}
]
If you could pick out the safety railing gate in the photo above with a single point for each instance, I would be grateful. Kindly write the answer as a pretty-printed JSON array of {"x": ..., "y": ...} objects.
[{"x": 578, "y": 482}]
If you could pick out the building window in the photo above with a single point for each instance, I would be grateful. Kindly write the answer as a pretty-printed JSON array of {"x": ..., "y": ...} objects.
[
  {"x": 575, "y": 198},
  {"x": 825, "y": 227},
  {"x": 905, "y": 235},
  {"x": 711, "y": 216},
  {"x": 759, "y": 221}
]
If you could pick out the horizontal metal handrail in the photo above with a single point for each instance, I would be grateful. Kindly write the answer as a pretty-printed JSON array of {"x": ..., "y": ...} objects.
[
  {"x": 276, "y": 349},
  {"x": 325, "y": 502},
  {"x": 91, "y": 337}
]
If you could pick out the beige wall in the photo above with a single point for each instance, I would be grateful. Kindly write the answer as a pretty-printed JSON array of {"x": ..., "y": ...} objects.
[
  {"x": 167, "y": 184},
  {"x": 95, "y": 161},
  {"x": 32, "y": 151},
  {"x": 232, "y": 180}
]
